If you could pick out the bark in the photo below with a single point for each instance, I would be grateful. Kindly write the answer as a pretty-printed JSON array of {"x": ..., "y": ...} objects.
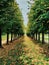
[
  {"x": 39, "y": 37},
  {"x": 14, "y": 36},
  {"x": 33, "y": 36},
  {"x": 48, "y": 37},
  {"x": 42, "y": 37},
  {"x": 11, "y": 36},
  {"x": 0, "y": 38},
  {"x": 36, "y": 36},
  {"x": 7, "y": 37}
]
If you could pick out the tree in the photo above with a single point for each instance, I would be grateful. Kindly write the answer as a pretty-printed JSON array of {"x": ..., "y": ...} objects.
[
  {"x": 39, "y": 14},
  {"x": 9, "y": 17}
]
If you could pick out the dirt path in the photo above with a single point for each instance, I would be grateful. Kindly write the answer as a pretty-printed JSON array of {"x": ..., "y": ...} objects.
[
  {"x": 23, "y": 52},
  {"x": 35, "y": 52}
]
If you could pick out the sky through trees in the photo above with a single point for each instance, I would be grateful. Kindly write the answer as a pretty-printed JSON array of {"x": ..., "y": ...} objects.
[{"x": 24, "y": 8}]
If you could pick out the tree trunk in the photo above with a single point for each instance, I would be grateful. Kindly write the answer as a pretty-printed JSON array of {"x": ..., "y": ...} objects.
[
  {"x": 14, "y": 36},
  {"x": 36, "y": 36},
  {"x": 7, "y": 37},
  {"x": 39, "y": 37},
  {"x": 11, "y": 36},
  {"x": 32, "y": 35},
  {"x": 0, "y": 38},
  {"x": 48, "y": 37},
  {"x": 42, "y": 37}
]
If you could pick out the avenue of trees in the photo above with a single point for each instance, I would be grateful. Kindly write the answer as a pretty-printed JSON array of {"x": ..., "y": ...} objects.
[
  {"x": 11, "y": 20},
  {"x": 38, "y": 19}
]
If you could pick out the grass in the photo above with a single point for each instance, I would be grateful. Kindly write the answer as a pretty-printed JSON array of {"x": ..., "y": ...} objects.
[
  {"x": 5, "y": 36},
  {"x": 46, "y": 37}
]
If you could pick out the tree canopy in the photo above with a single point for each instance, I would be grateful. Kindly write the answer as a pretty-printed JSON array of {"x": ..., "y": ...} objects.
[{"x": 39, "y": 16}]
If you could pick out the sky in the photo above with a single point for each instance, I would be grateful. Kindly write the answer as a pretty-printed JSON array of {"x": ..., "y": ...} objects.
[{"x": 23, "y": 5}]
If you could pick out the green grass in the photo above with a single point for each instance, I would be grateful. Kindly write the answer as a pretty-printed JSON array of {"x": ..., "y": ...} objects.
[
  {"x": 5, "y": 36},
  {"x": 46, "y": 37}
]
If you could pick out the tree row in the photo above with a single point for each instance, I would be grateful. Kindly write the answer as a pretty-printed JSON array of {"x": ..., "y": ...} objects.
[
  {"x": 38, "y": 19},
  {"x": 11, "y": 20}
]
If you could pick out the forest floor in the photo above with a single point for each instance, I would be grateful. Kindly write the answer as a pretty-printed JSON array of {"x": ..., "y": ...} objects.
[{"x": 24, "y": 51}]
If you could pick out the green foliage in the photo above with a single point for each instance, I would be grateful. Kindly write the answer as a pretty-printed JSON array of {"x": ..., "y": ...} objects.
[
  {"x": 39, "y": 16},
  {"x": 11, "y": 16}
]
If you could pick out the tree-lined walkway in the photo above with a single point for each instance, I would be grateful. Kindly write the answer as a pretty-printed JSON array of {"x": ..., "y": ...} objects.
[{"x": 23, "y": 51}]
